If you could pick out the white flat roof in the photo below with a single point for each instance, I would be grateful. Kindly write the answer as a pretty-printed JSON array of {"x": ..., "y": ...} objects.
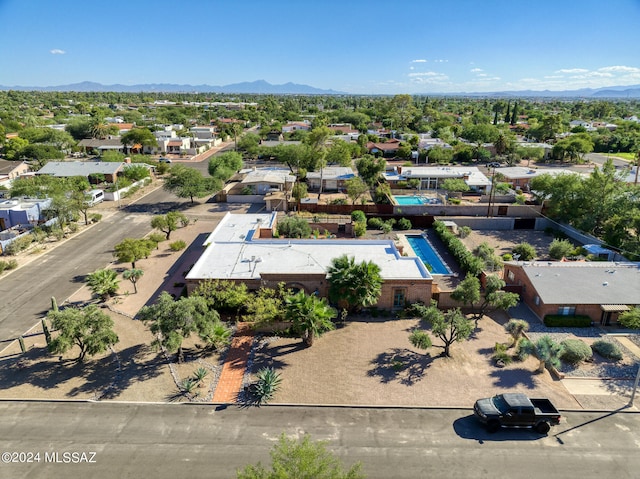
[
  {"x": 232, "y": 253},
  {"x": 513, "y": 172},
  {"x": 475, "y": 176}
]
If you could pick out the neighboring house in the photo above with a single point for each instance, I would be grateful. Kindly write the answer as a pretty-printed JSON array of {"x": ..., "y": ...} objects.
[
  {"x": 10, "y": 170},
  {"x": 93, "y": 146},
  {"x": 519, "y": 177},
  {"x": 262, "y": 182},
  {"x": 344, "y": 131},
  {"x": 600, "y": 290},
  {"x": 389, "y": 148},
  {"x": 242, "y": 249},
  {"x": 123, "y": 127},
  {"x": 333, "y": 178},
  {"x": 431, "y": 177},
  {"x": 428, "y": 143},
  {"x": 66, "y": 169},
  {"x": 547, "y": 148},
  {"x": 296, "y": 125},
  {"x": 22, "y": 212}
]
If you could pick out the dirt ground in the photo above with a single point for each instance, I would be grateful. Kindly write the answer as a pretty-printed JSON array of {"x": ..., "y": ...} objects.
[
  {"x": 366, "y": 362},
  {"x": 504, "y": 241},
  {"x": 371, "y": 362}
]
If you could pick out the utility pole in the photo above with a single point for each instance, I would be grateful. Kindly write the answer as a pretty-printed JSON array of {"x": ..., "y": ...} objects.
[
  {"x": 491, "y": 192},
  {"x": 635, "y": 386},
  {"x": 637, "y": 168}
]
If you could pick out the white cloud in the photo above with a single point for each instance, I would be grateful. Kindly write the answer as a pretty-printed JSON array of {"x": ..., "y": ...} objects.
[
  {"x": 440, "y": 61},
  {"x": 572, "y": 70},
  {"x": 620, "y": 68},
  {"x": 482, "y": 75},
  {"x": 57, "y": 51},
  {"x": 475, "y": 70},
  {"x": 418, "y": 61},
  {"x": 428, "y": 78}
]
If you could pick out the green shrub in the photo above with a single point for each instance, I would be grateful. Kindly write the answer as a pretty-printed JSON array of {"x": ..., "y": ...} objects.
[
  {"x": 607, "y": 350},
  {"x": 375, "y": 222},
  {"x": 575, "y": 351},
  {"x": 404, "y": 224},
  {"x": 525, "y": 251},
  {"x": 630, "y": 319},
  {"x": 507, "y": 257},
  {"x": 467, "y": 261},
  {"x": 455, "y": 201},
  {"x": 464, "y": 231},
  {"x": 19, "y": 244},
  {"x": 157, "y": 238},
  {"x": 95, "y": 217},
  {"x": 360, "y": 228},
  {"x": 294, "y": 227},
  {"x": 560, "y": 248},
  {"x": 177, "y": 245},
  {"x": 561, "y": 321},
  {"x": 8, "y": 265},
  {"x": 500, "y": 354},
  {"x": 358, "y": 215}
]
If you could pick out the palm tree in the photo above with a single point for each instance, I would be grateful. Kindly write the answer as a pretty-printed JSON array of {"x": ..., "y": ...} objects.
[
  {"x": 355, "y": 285},
  {"x": 103, "y": 282},
  {"x": 133, "y": 275},
  {"x": 545, "y": 350},
  {"x": 310, "y": 315}
]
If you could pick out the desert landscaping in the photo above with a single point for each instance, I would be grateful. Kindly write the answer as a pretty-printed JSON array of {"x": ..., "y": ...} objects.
[{"x": 366, "y": 361}]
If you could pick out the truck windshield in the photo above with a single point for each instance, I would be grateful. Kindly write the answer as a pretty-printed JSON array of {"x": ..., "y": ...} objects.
[{"x": 500, "y": 403}]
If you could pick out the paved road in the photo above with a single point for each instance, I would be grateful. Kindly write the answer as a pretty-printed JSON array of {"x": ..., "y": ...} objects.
[
  {"x": 27, "y": 291},
  {"x": 199, "y": 441}
]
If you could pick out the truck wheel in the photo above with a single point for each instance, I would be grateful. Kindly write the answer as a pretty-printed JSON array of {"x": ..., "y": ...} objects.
[
  {"x": 493, "y": 426},
  {"x": 543, "y": 427}
]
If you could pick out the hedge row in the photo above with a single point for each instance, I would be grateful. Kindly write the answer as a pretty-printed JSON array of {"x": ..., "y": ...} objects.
[
  {"x": 559, "y": 321},
  {"x": 465, "y": 258}
]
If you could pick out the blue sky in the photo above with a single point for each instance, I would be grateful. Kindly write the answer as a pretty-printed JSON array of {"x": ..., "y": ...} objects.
[{"x": 355, "y": 46}]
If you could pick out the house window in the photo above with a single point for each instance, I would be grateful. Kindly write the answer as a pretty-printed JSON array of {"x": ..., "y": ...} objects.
[
  {"x": 537, "y": 300},
  {"x": 511, "y": 276},
  {"x": 399, "y": 296},
  {"x": 567, "y": 310}
]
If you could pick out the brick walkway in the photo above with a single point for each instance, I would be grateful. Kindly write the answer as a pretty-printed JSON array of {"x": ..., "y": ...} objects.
[{"x": 234, "y": 366}]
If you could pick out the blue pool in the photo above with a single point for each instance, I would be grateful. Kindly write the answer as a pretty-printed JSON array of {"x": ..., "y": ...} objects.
[
  {"x": 416, "y": 200},
  {"x": 427, "y": 254}
]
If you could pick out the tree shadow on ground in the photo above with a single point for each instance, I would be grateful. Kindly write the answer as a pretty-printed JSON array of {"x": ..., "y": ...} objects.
[
  {"x": 402, "y": 365},
  {"x": 512, "y": 378},
  {"x": 99, "y": 376}
]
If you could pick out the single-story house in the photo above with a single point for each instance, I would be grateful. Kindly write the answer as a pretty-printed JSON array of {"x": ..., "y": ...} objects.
[
  {"x": 431, "y": 177},
  {"x": 67, "y": 169},
  {"x": 333, "y": 178},
  {"x": 263, "y": 181},
  {"x": 388, "y": 148},
  {"x": 10, "y": 170},
  {"x": 242, "y": 249},
  {"x": 97, "y": 146},
  {"x": 22, "y": 212},
  {"x": 296, "y": 125},
  {"x": 598, "y": 289},
  {"x": 519, "y": 177}
]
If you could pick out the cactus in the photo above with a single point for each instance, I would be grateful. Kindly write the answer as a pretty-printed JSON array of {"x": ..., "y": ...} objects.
[
  {"x": 54, "y": 304},
  {"x": 45, "y": 329},
  {"x": 21, "y": 341}
]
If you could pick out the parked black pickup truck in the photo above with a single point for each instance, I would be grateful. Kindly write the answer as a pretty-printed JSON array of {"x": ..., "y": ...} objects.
[{"x": 516, "y": 410}]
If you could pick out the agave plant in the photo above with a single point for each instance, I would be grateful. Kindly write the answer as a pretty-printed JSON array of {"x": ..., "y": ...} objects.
[
  {"x": 267, "y": 385},
  {"x": 188, "y": 385},
  {"x": 199, "y": 375}
]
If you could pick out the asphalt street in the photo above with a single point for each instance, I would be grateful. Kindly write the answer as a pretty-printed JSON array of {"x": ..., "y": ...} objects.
[
  {"x": 27, "y": 291},
  {"x": 187, "y": 440}
]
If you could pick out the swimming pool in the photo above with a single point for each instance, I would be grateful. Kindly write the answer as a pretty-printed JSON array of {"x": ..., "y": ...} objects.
[
  {"x": 416, "y": 200},
  {"x": 427, "y": 254}
]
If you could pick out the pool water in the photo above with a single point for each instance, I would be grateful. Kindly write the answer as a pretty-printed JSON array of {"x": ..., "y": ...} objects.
[
  {"x": 427, "y": 254},
  {"x": 416, "y": 200}
]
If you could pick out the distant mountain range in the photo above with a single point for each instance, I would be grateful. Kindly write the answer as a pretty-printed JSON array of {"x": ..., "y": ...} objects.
[
  {"x": 263, "y": 87},
  {"x": 258, "y": 87}
]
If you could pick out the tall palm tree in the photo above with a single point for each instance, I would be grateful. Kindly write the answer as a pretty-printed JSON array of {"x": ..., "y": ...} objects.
[
  {"x": 355, "y": 285},
  {"x": 310, "y": 315},
  {"x": 103, "y": 282}
]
